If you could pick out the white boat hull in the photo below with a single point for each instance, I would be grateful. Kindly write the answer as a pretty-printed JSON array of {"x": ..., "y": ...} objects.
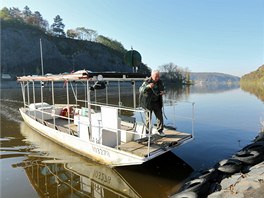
[{"x": 97, "y": 152}]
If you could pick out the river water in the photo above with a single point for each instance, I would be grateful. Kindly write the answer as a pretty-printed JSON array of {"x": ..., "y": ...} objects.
[{"x": 226, "y": 119}]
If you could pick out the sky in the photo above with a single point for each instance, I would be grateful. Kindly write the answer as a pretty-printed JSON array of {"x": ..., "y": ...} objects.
[{"x": 225, "y": 36}]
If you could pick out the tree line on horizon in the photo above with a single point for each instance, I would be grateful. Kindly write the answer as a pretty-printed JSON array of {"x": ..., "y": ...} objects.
[{"x": 170, "y": 72}]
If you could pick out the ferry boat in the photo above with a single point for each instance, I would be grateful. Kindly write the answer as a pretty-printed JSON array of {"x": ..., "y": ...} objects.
[
  {"x": 112, "y": 134},
  {"x": 53, "y": 170}
]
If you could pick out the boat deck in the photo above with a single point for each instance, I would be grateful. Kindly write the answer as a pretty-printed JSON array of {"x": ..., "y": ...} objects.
[
  {"x": 137, "y": 147},
  {"x": 62, "y": 125},
  {"x": 140, "y": 147}
]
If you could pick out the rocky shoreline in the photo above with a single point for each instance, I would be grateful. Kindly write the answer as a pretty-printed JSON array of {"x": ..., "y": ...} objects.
[
  {"x": 241, "y": 185},
  {"x": 240, "y": 176}
]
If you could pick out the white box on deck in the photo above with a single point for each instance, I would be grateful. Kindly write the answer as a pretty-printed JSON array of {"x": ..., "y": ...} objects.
[
  {"x": 83, "y": 124},
  {"x": 110, "y": 126}
]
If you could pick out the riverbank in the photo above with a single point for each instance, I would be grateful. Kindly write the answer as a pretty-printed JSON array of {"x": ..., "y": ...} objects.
[
  {"x": 240, "y": 176},
  {"x": 241, "y": 185}
]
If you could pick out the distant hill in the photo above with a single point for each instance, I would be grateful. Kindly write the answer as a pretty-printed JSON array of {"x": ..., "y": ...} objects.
[
  {"x": 20, "y": 52},
  {"x": 212, "y": 77}
]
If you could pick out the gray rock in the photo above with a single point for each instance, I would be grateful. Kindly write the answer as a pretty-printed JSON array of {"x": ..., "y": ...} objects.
[
  {"x": 226, "y": 194},
  {"x": 227, "y": 182},
  {"x": 20, "y": 53},
  {"x": 241, "y": 185},
  {"x": 246, "y": 185}
]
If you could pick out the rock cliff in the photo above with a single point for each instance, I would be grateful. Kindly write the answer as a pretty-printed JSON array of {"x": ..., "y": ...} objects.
[{"x": 20, "y": 52}]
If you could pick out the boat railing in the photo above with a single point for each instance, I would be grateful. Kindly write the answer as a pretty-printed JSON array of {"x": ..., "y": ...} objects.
[
  {"x": 104, "y": 124},
  {"x": 48, "y": 115},
  {"x": 179, "y": 110},
  {"x": 109, "y": 125}
]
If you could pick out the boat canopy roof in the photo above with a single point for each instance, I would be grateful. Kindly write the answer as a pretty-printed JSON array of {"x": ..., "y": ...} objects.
[{"x": 84, "y": 75}]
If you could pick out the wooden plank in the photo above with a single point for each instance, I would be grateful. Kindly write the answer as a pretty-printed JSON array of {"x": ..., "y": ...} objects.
[
  {"x": 143, "y": 151},
  {"x": 130, "y": 146},
  {"x": 62, "y": 125},
  {"x": 138, "y": 148},
  {"x": 174, "y": 136}
]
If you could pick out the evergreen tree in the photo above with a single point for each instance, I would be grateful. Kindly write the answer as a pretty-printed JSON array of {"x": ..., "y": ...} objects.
[
  {"x": 58, "y": 27},
  {"x": 37, "y": 20},
  {"x": 16, "y": 13},
  {"x": 27, "y": 12}
]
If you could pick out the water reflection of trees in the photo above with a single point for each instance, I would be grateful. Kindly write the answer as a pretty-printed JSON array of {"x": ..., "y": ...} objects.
[
  {"x": 255, "y": 89},
  {"x": 177, "y": 93}
]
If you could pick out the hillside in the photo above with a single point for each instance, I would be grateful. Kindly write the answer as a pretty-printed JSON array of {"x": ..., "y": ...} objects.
[
  {"x": 253, "y": 82},
  {"x": 20, "y": 52},
  {"x": 212, "y": 77},
  {"x": 255, "y": 76}
]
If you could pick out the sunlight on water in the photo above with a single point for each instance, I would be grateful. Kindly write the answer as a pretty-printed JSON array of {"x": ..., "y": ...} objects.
[{"x": 226, "y": 119}]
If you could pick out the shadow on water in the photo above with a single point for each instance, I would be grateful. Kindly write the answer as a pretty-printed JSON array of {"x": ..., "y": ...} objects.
[
  {"x": 160, "y": 177},
  {"x": 53, "y": 170}
]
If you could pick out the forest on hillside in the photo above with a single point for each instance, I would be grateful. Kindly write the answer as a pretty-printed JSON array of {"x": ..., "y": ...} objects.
[
  {"x": 35, "y": 19},
  {"x": 253, "y": 82},
  {"x": 256, "y": 76}
]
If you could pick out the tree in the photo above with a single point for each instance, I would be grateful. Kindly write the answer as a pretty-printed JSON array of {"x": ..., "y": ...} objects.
[
  {"x": 5, "y": 14},
  {"x": 93, "y": 35},
  {"x": 72, "y": 33},
  {"x": 27, "y": 15},
  {"x": 16, "y": 13},
  {"x": 26, "y": 12},
  {"x": 111, "y": 43},
  {"x": 172, "y": 73},
  {"x": 38, "y": 21},
  {"x": 86, "y": 34},
  {"x": 82, "y": 33},
  {"x": 58, "y": 27}
]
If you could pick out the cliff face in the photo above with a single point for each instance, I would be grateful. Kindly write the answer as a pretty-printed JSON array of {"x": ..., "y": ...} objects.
[{"x": 20, "y": 53}]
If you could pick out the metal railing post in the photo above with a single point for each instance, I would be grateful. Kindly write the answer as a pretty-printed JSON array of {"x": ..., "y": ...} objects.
[{"x": 34, "y": 97}]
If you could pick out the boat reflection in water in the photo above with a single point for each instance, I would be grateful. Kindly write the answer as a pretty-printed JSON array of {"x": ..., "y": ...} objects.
[{"x": 57, "y": 172}]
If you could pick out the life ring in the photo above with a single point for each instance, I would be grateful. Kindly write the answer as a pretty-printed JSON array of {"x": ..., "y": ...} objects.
[
  {"x": 248, "y": 156},
  {"x": 230, "y": 166},
  {"x": 197, "y": 185},
  {"x": 66, "y": 111},
  {"x": 185, "y": 195}
]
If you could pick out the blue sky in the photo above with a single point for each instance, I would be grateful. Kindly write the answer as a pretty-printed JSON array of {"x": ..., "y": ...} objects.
[{"x": 224, "y": 36}]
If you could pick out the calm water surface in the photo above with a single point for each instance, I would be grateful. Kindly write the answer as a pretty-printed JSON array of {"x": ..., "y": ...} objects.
[{"x": 226, "y": 119}]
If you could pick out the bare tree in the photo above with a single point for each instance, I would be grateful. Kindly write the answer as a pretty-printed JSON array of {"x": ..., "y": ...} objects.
[{"x": 173, "y": 73}]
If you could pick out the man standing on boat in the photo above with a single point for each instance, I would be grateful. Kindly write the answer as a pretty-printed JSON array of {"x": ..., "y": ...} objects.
[{"x": 150, "y": 95}]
